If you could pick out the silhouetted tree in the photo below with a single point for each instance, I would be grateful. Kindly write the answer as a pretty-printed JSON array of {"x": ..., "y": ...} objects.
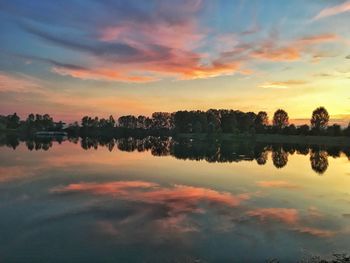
[
  {"x": 13, "y": 121},
  {"x": 280, "y": 119},
  {"x": 262, "y": 118},
  {"x": 319, "y": 119}
]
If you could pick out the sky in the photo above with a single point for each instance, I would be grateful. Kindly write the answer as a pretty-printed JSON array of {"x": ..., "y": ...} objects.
[{"x": 72, "y": 58}]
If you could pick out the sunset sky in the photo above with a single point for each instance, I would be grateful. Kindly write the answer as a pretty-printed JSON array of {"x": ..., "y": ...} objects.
[{"x": 88, "y": 57}]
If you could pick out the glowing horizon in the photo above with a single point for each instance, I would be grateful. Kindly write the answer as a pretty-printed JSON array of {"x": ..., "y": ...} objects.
[{"x": 74, "y": 58}]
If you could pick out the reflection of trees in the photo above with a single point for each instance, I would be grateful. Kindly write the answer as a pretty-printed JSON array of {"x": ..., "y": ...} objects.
[
  {"x": 347, "y": 152},
  {"x": 279, "y": 157},
  {"x": 39, "y": 144},
  {"x": 188, "y": 149},
  {"x": 334, "y": 152},
  {"x": 88, "y": 143},
  {"x": 319, "y": 161},
  {"x": 261, "y": 154},
  {"x": 261, "y": 159},
  {"x": 302, "y": 149}
]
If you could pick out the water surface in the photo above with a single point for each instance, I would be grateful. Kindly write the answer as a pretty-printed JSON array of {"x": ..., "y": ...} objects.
[{"x": 165, "y": 201}]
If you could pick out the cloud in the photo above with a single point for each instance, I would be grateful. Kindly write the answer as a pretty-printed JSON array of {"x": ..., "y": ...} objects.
[
  {"x": 277, "y": 184},
  {"x": 273, "y": 49},
  {"x": 146, "y": 56},
  {"x": 334, "y": 10},
  {"x": 315, "y": 39},
  {"x": 347, "y": 57},
  {"x": 120, "y": 51},
  {"x": 282, "y": 84}
]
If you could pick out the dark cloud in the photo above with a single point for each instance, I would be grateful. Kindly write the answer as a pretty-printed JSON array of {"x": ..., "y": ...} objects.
[
  {"x": 347, "y": 57},
  {"x": 108, "y": 50}
]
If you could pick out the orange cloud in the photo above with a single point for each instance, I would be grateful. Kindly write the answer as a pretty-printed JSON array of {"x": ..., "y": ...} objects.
[
  {"x": 288, "y": 53},
  {"x": 277, "y": 184},
  {"x": 286, "y": 215},
  {"x": 101, "y": 74},
  {"x": 292, "y": 51},
  {"x": 334, "y": 10},
  {"x": 180, "y": 66}
]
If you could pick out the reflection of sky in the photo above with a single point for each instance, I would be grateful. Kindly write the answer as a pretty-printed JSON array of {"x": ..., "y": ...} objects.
[
  {"x": 114, "y": 205},
  {"x": 137, "y": 57}
]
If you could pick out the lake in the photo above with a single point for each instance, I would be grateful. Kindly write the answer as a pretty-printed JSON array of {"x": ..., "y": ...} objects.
[{"x": 161, "y": 200}]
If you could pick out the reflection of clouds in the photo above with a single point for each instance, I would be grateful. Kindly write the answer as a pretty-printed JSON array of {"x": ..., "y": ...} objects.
[
  {"x": 285, "y": 215},
  {"x": 158, "y": 209},
  {"x": 110, "y": 188},
  {"x": 314, "y": 212},
  {"x": 293, "y": 220},
  {"x": 11, "y": 173},
  {"x": 277, "y": 184},
  {"x": 180, "y": 209},
  {"x": 317, "y": 232},
  {"x": 179, "y": 197}
]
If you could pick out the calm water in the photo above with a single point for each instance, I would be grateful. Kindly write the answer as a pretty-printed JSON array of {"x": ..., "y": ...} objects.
[{"x": 164, "y": 201}]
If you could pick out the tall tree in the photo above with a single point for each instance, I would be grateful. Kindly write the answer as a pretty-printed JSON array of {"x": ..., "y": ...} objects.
[
  {"x": 320, "y": 118},
  {"x": 280, "y": 119}
]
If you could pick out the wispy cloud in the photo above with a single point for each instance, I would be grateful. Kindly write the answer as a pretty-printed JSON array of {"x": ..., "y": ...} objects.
[
  {"x": 334, "y": 10},
  {"x": 19, "y": 83},
  {"x": 282, "y": 84}
]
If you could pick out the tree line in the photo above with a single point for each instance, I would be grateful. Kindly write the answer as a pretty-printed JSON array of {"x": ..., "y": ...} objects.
[{"x": 211, "y": 121}]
